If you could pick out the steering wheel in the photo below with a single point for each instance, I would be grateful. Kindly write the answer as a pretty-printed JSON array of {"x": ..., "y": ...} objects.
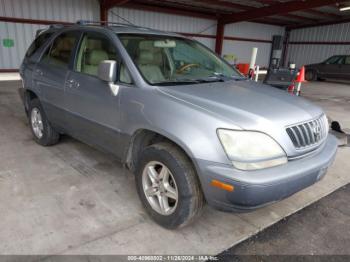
[{"x": 185, "y": 67}]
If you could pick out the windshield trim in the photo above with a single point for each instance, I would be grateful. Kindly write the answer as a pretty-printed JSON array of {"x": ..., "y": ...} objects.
[{"x": 194, "y": 81}]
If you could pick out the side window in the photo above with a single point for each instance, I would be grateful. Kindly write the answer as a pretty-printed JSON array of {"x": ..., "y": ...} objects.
[
  {"x": 347, "y": 60},
  {"x": 124, "y": 75},
  {"x": 341, "y": 60},
  {"x": 333, "y": 60},
  {"x": 94, "y": 48},
  {"x": 37, "y": 43},
  {"x": 61, "y": 50}
]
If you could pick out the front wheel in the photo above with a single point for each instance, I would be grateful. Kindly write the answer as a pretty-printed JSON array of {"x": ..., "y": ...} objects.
[
  {"x": 168, "y": 186},
  {"x": 43, "y": 132}
]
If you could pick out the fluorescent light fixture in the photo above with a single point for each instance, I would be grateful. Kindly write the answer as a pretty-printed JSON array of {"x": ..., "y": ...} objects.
[{"x": 345, "y": 8}]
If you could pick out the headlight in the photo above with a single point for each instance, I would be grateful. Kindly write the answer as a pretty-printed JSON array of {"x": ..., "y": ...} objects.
[{"x": 251, "y": 150}]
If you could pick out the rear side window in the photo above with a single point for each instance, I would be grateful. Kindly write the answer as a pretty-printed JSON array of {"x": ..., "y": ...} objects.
[
  {"x": 61, "y": 50},
  {"x": 37, "y": 43}
]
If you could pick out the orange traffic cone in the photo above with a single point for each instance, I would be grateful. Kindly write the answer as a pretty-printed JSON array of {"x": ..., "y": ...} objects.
[{"x": 301, "y": 75}]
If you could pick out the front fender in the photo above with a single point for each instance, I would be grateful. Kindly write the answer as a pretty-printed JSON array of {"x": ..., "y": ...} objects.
[{"x": 192, "y": 128}]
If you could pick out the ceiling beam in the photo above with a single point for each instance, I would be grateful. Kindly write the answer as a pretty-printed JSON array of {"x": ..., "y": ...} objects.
[
  {"x": 320, "y": 13},
  {"x": 247, "y": 8},
  {"x": 168, "y": 10},
  {"x": 225, "y": 4},
  {"x": 329, "y": 22},
  {"x": 276, "y": 9},
  {"x": 189, "y": 6},
  {"x": 299, "y": 17},
  {"x": 269, "y": 22},
  {"x": 273, "y": 21},
  {"x": 112, "y": 3}
]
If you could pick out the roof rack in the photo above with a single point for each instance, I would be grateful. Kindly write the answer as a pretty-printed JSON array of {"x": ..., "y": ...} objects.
[
  {"x": 57, "y": 26},
  {"x": 88, "y": 22},
  {"x": 107, "y": 23}
]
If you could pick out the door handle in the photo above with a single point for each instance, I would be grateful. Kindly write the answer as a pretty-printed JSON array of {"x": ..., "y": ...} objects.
[
  {"x": 71, "y": 83},
  {"x": 39, "y": 72}
]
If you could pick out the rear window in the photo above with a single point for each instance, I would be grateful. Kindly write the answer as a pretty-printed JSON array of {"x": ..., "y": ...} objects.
[{"x": 37, "y": 43}]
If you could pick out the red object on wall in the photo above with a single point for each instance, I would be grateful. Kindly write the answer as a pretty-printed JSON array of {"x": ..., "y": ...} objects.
[{"x": 243, "y": 68}]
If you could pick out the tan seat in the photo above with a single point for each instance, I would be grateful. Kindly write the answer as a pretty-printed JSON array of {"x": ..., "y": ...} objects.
[
  {"x": 149, "y": 62},
  {"x": 92, "y": 60}
]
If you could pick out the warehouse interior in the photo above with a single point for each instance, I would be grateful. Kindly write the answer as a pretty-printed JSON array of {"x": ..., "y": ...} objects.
[
  {"x": 71, "y": 199},
  {"x": 312, "y": 31}
]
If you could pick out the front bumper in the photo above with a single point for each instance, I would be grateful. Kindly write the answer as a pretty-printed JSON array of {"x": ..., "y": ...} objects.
[{"x": 254, "y": 189}]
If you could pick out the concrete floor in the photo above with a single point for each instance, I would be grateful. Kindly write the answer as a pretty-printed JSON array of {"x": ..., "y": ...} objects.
[
  {"x": 322, "y": 228},
  {"x": 334, "y": 97},
  {"x": 73, "y": 199}
]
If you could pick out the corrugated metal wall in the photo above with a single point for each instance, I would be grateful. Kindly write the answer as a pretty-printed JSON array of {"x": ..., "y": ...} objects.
[
  {"x": 303, "y": 54},
  {"x": 243, "y": 49},
  {"x": 166, "y": 22},
  {"x": 23, "y": 34},
  {"x": 60, "y": 10},
  {"x": 69, "y": 10}
]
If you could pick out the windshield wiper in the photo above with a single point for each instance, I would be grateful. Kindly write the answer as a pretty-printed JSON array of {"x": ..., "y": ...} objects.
[
  {"x": 178, "y": 82},
  {"x": 210, "y": 79},
  {"x": 225, "y": 78}
]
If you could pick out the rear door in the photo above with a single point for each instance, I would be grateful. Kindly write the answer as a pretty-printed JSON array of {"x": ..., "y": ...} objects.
[
  {"x": 93, "y": 110},
  {"x": 31, "y": 57},
  {"x": 50, "y": 75}
]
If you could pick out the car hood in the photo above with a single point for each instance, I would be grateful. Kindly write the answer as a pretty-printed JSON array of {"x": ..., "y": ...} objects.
[{"x": 246, "y": 104}]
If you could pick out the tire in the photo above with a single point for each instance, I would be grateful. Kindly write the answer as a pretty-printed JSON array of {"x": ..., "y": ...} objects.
[
  {"x": 311, "y": 75},
  {"x": 182, "y": 179},
  {"x": 47, "y": 136}
]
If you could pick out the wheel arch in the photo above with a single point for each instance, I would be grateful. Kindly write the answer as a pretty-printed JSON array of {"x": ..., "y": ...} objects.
[
  {"x": 146, "y": 137},
  {"x": 29, "y": 95}
]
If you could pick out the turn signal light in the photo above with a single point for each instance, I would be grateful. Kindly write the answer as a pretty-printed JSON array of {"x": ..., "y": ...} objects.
[{"x": 222, "y": 185}]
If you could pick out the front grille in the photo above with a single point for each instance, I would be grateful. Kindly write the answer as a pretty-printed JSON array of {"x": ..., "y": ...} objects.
[{"x": 308, "y": 133}]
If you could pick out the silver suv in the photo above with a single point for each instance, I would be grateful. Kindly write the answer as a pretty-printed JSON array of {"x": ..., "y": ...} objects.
[{"x": 188, "y": 125}]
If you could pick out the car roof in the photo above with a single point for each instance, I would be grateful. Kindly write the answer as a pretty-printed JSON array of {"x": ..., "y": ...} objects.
[
  {"x": 140, "y": 30},
  {"x": 117, "y": 28}
]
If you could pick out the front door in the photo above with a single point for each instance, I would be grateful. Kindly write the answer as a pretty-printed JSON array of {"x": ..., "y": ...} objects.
[
  {"x": 345, "y": 69},
  {"x": 93, "y": 115}
]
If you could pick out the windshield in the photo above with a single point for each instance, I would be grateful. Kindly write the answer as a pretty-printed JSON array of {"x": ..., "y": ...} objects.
[{"x": 174, "y": 60}]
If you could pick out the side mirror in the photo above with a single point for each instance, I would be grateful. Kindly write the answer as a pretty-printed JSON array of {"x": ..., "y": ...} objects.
[{"x": 107, "y": 71}]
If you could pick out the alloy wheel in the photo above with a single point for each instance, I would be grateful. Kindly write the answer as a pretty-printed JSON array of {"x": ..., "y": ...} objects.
[
  {"x": 160, "y": 188},
  {"x": 37, "y": 122}
]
